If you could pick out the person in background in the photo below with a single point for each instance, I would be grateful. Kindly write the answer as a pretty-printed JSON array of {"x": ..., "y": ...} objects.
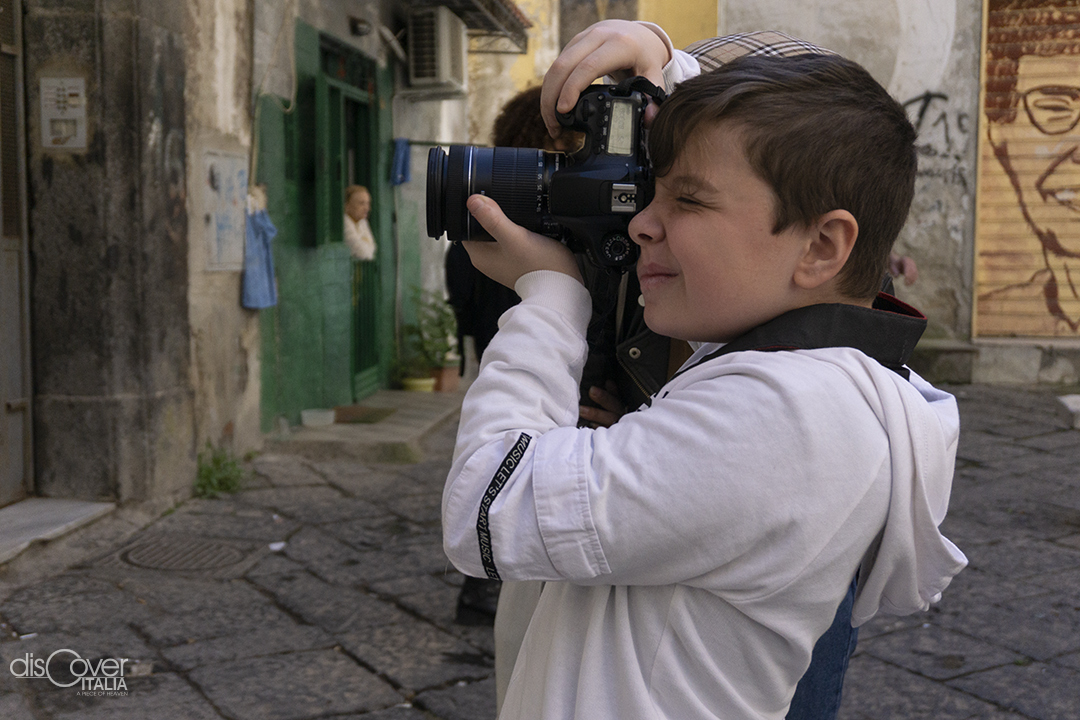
[{"x": 357, "y": 231}]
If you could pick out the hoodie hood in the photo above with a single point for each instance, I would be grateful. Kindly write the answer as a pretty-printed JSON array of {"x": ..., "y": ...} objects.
[{"x": 912, "y": 562}]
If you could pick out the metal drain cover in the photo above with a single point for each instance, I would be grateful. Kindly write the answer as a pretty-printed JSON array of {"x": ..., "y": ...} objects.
[{"x": 187, "y": 554}]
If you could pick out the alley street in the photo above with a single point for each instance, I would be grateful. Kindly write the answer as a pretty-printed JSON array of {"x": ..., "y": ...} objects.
[{"x": 321, "y": 591}]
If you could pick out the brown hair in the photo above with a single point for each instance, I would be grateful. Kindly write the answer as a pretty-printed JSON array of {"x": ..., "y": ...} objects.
[
  {"x": 354, "y": 189},
  {"x": 519, "y": 124},
  {"x": 821, "y": 132}
]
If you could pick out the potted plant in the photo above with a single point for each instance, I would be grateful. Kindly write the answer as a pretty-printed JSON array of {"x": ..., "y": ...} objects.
[{"x": 429, "y": 346}]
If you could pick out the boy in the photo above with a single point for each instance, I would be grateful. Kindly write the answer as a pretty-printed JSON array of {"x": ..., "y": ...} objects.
[{"x": 697, "y": 548}]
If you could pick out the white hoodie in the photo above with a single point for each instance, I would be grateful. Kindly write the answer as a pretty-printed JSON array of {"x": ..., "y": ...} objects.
[{"x": 703, "y": 543}]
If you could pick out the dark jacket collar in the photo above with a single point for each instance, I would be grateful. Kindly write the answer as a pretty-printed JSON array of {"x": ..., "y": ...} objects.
[{"x": 887, "y": 332}]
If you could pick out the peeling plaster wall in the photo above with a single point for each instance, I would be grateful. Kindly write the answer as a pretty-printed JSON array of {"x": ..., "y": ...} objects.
[
  {"x": 926, "y": 52},
  {"x": 224, "y": 336}
]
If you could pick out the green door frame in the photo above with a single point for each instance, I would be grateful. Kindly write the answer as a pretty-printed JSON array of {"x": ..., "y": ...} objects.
[{"x": 373, "y": 317}]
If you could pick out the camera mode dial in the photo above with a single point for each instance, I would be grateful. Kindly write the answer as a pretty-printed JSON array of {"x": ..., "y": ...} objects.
[{"x": 618, "y": 249}]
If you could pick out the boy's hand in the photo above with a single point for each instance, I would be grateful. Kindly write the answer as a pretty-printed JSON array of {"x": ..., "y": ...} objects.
[
  {"x": 517, "y": 251},
  {"x": 611, "y": 406},
  {"x": 602, "y": 49}
]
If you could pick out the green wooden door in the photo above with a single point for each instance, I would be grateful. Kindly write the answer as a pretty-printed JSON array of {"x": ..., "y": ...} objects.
[{"x": 347, "y": 138}]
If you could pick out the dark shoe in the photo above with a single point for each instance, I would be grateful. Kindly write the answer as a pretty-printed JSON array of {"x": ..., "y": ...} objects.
[{"x": 478, "y": 601}]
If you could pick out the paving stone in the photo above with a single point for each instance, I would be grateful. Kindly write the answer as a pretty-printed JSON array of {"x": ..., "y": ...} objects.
[
  {"x": 274, "y": 564},
  {"x": 283, "y": 500},
  {"x": 874, "y": 689},
  {"x": 164, "y": 695},
  {"x": 424, "y": 508},
  {"x": 462, "y": 701},
  {"x": 973, "y": 587},
  {"x": 1039, "y": 690},
  {"x": 1021, "y": 558},
  {"x": 1056, "y": 440},
  {"x": 91, "y": 643},
  {"x": 273, "y": 639},
  {"x": 333, "y": 608},
  {"x": 71, "y": 602},
  {"x": 1040, "y": 627},
  {"x": 371, "y": 482},
  {"x": 294, "y": 686},
  {"x": 373, "y": 533},
  {"x": 1033, "y": 464},
  {"x": 417, "y": 655},
  {"x": 424, "y": 595},
  {"x": 265, "y": 526},
  {"x": 1067, "y": 582},
  {"x": 14, "y": 707},
  {"x": 286, "y": 470},
  {"x": 326, "y": 556},
  {"x": 326, "y": 508},
  {"x": 184, "y": 610},
  {"x": 405, "y": 561},
  {"x": 1021, "y": 430},
  {"x": 404, "y": 711},
  {"x": 937, "y": 653},
  {"x": 986, "y": 448}
]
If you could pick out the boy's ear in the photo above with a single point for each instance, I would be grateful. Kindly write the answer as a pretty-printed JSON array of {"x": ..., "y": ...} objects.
[{"x": 829, "y": 242}]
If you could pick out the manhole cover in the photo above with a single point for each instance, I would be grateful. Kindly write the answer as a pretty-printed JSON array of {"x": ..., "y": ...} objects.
[{"x": 187, "y": 554}]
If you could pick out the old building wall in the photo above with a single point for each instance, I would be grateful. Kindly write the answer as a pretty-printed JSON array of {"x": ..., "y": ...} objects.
[
  {"x": 926, "y": 52},
  {"x": 224, "y": 336},
  {"x": 108, "y": 231},
  {"x": 498, "y": 77}
]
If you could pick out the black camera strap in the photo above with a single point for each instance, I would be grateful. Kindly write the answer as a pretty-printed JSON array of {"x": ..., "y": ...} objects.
[
  {"x": 644, "y": 86},
  {"x": 887, "y": 332}
]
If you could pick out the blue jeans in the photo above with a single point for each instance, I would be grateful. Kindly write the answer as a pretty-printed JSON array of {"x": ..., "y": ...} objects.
[{"x": 817, "y": 696}]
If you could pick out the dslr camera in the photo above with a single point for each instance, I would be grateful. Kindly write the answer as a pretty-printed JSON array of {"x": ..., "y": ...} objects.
[{"x": 585, "y": 199}]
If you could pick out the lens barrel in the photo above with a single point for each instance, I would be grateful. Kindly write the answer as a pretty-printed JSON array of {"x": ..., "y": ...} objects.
[{"x": 516, "y": 178}]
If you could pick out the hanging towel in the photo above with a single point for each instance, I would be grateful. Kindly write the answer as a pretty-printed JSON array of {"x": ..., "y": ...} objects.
[
  {"x": 260, "y": 290},
  {"x": 399, "y": 170}
]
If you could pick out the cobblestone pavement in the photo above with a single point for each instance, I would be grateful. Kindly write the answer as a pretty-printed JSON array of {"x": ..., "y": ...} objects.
[{"x": 321, "y": 591}]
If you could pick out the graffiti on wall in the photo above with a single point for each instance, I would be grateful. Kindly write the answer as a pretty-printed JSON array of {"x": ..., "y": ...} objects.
[
  {"x": 1028, "y": 241},
  {"x": 944, "y": 133}
]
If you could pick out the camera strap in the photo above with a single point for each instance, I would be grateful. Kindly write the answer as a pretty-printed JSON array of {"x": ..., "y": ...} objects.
[
  {"x": 887, "y": 332},
  {"x": 644, "y": 86}
]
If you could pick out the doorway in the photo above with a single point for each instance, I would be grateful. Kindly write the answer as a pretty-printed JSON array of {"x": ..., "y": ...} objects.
[{"x": 15, "y": 388}]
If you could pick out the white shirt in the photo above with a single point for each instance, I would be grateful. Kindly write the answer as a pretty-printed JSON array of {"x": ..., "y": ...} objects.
[
  {"x": 359, "y": 238},
  {"x": 696, "y": 549}
]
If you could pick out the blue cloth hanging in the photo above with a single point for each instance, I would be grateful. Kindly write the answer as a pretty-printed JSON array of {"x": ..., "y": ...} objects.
[
  {"x": 399, "y": 168},
  {"x": 259, "y": 288}
]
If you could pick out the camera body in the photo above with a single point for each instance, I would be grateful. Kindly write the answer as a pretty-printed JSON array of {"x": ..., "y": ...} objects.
[{"x": 585, "y": 199}]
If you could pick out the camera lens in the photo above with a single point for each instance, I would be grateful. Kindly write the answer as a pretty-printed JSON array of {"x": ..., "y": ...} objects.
[{"x": 516, "y": 178}]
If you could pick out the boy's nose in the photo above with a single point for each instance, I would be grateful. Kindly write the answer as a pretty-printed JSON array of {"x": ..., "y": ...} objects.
[{"x": 644, "y": 227}]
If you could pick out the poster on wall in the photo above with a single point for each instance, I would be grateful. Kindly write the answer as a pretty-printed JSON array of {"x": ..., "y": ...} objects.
[
  {"x": 225, "y": 198},
  {"x": 1027, "y": 264}
]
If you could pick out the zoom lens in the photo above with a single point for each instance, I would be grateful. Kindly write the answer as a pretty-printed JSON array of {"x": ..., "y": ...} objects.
[{"x": 516, "y": 178}]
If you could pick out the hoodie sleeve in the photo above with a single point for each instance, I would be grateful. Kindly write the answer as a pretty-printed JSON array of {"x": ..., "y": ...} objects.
[{"x": 750, "y": 473}]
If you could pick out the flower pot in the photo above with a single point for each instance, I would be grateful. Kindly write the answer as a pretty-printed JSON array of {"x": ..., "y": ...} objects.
[
  {"x": 426, "y": 384},
  {"x": 446, "y": 378}
]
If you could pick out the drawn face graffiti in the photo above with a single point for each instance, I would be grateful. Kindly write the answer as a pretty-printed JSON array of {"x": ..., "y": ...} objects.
[{"x": 1040, "y": 149}]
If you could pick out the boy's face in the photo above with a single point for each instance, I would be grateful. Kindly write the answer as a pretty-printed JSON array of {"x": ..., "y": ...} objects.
[{"x": 710, "y": 266}]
